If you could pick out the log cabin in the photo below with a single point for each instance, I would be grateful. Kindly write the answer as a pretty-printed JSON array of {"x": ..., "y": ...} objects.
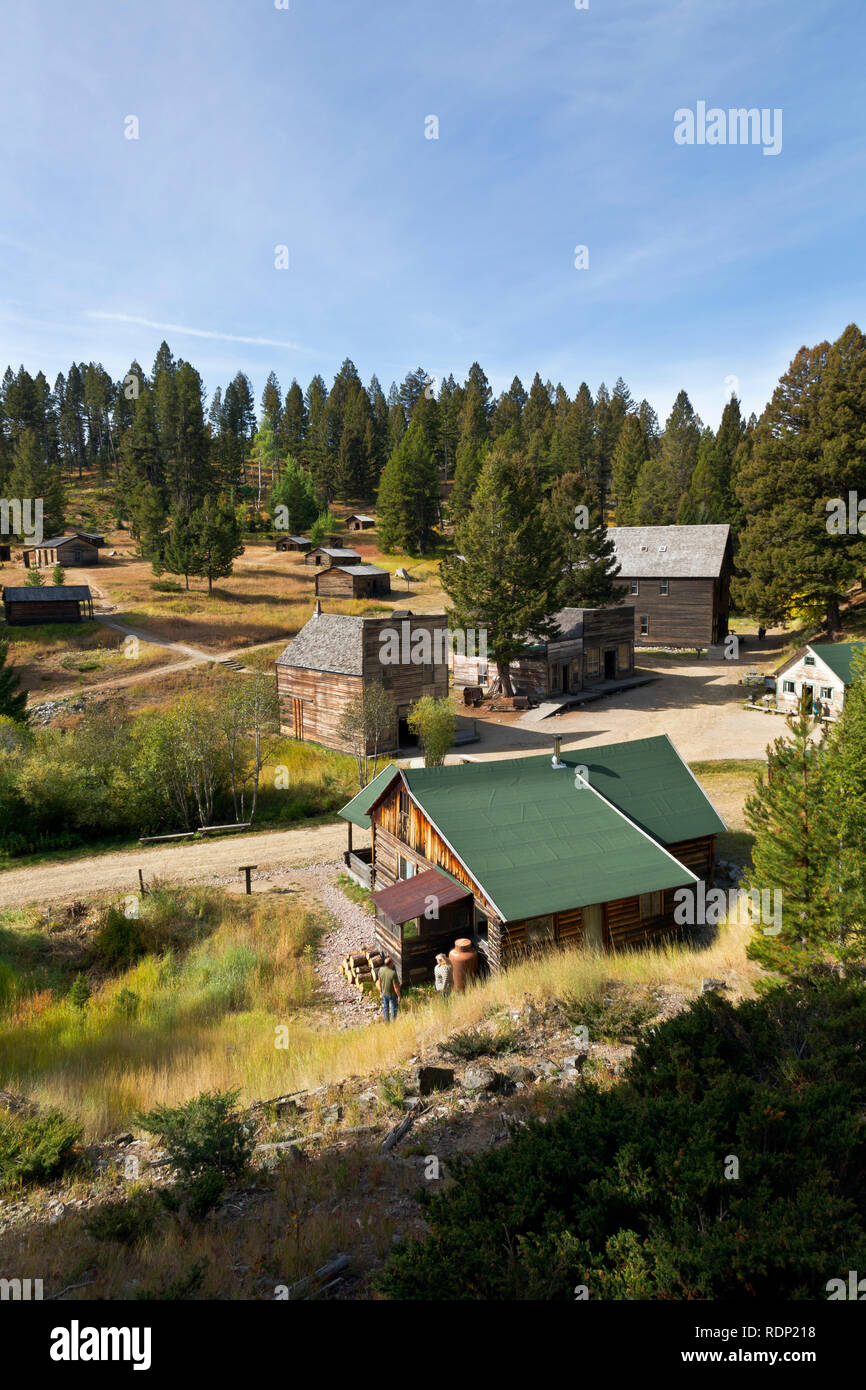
[
  {"x": 353, "y": 581},
  {"x": 821, "y": 672},
  {"x": 326, "y": 666},
  {"x": 359, "y": 522},
  {"x": 55, "y": 603},
  {"x": 301, "y": 543},
  {"x": 331, "y": 555},
  {"x": 679, "y": 580},
  {"x": 592, "y": 647},
  {"x": 75, "y": 549},
  {"x": 584, "y": 849}
]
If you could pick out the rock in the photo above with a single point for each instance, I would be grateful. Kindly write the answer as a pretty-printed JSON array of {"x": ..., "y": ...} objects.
[
  {"x": 411, "y": 1102},
  {"x": 709, "y": 985},
  {"x": 548, "y": 1068},
  {"x": 479, "y": 1079},
  {"x": 520, "y": 1073},
  {"x": 122, "y": 1138},
  {"x": 271, "y": 1155},
  {"x": 575, "y": 1063},
  {"x": 332, "y": 1115},
  {"x": 426, "y": 1080},
  {"x": 367, "y": 1100}
]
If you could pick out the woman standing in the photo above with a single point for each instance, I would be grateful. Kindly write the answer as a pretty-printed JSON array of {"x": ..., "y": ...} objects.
[{"x": 443, "y": 975}]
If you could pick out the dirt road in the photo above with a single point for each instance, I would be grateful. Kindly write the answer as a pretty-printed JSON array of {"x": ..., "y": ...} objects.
[{"x": 201, "y": 862}]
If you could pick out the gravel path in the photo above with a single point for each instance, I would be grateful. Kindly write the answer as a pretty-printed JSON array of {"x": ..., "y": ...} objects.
[{"x": 355, "y": 929}]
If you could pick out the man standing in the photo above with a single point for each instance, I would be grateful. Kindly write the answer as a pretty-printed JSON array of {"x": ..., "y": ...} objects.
[{"x": 389, "y": 989}]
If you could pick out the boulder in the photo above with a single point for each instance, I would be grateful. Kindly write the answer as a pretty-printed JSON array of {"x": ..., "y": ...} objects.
[
  {"x": 518, "y": 1072},
  {"x": 708, "y": 986},
  {"x": 479, "y": 1078}
]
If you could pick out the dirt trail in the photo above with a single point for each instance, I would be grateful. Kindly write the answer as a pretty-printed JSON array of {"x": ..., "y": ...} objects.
[{"x": 207, "y": 860}]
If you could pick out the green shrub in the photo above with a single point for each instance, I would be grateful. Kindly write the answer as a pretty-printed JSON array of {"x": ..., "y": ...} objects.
[
  {"x": 205, "y": 1133},
  {"x": 79, "y": 994},
  {"x": 35, "y": 1148},
  {"x": 186, "y": 1286},
  {"x": 482, "y": 1042},
  {"x": 203, "y": 1194},
  {"x": 615, "y": 1014},
  {"x": 630, "y": 1191},
  {"x": 119, "y": 942},
  {"x": 128, "y": 1221}
]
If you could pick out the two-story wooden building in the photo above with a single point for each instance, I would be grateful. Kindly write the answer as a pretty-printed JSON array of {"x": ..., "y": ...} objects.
[
  {"x": 679, "y": 580},
  {"x": 587, "y": 848},
  {"x": 591, "y": 646},
  {"x": 334, "y": 656}
]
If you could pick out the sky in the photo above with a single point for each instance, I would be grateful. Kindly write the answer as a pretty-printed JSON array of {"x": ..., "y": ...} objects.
[{"x": 306, "y": 127}]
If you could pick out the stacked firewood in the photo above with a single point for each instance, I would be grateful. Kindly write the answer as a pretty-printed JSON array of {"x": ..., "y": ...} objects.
[{"x": 359, "y": 967}]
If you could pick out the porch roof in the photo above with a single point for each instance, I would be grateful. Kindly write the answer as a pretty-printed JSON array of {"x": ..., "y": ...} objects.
[{"x": 410, "y": 897}]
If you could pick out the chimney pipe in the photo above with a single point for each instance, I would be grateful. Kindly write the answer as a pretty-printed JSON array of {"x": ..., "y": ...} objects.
[
  {"x": 556, "y": 761},
  {"x": 317, "y": 611}
]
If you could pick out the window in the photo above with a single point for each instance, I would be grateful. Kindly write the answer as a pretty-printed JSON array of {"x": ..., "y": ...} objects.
[
  {"x": 663, "y": 587},
  {"x": 661, "y": 548},
  {"x": 787, "y": 687},
  {"x": 593, "y": 661},
  {"x": 809, "y": 661},
  {"x": 826, "y": 692},
  {"x": 650, "y": 905},
  {"x": 405, "y": 867},
  {"x": 539, "y": 929},
  {"x": 623, "y": 656},
  {"x": 635, "y": 586},
  {"x": 411, "y": 930},
  {"x": 644, "y": 626}
]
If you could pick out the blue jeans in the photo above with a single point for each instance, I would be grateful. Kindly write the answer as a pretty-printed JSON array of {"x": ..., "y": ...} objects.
[{"x": 389, "y": 1006}]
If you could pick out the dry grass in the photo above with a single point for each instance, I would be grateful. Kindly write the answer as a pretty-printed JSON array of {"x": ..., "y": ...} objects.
[{"x": 51, "y": 656}]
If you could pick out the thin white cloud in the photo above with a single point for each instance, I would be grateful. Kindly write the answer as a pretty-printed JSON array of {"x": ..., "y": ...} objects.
[{"x": 199, "y": 332}]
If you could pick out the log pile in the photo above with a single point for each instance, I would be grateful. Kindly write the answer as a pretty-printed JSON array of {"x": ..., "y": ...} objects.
[{"x": 359, "y": 967}]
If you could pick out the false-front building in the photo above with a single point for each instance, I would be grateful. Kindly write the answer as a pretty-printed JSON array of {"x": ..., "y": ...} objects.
[
  {"x": 591, "y": 646},
  {"x": 75, "y": 549},
  {"x": 679, "y": 580},
  {"x": 333, "y": 657},
  {"x": 586, "y": 849}
]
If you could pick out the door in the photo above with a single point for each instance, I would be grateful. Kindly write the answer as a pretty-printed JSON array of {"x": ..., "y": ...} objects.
[
  {"x": 556, "y": 679},
  {"x": 297, "y": 718},
  {"x": 593, "y": 927},
  {"x": 610, "y": 664}
]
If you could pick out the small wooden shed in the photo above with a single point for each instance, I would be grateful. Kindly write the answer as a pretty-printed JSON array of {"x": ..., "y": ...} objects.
[
  {"x": 353, "y": 581},
  {"x": 294, "y": 543},
  {"x": 75, "y": 549},
  {"x": 331, "y": 555},
  {"x": 359, "y": 522},
  {"x": 56, "y": 603}
]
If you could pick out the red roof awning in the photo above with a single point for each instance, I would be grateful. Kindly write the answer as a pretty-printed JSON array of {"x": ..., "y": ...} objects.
[{"x": 409, "y": 898}]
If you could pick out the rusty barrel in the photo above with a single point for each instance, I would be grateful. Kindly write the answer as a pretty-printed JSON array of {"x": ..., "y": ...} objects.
[{"x": 464, "y": 962}]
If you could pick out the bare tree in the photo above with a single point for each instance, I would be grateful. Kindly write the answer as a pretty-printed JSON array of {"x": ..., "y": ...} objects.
[{"x": 367, "y": 725}]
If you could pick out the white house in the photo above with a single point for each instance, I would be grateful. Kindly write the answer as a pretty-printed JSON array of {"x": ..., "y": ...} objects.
[{"x": 824, "y": 670}]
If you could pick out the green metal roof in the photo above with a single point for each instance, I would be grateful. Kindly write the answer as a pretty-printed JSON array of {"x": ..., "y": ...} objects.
[
  {"x": 358, "y": 808},
  {"x": 839, "y": 656},
  {"x": 537, "y": 843}
]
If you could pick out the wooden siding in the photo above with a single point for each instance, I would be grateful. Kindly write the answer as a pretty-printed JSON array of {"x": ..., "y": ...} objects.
[
  {"x": 29, "y": 614},
  {"x": 74, "y": 552},
  {"x": 323, "y": 696},
  {"x": 686, "y": 617},
  {"x": 415, "y": 956},
  {"x": 335, "y": 583},
  {"x": 408, "y": 681}
]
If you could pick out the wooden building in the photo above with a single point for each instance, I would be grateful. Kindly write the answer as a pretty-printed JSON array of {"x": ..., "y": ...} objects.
[
  {"x": 52, "y": 603},
  {"x": 822, "y": 672},
  {"x": 679, "y": 580},
  {"x": 301, "y": 543},
  {"x": 353, "y": 581},
  {"x": 331, "y": 555},
  {"x": 359, "y": 522},
  {"x": 585, "y": 849},
  {"x": 592, "y": 647},
  {"x": 69, "y": 550},
  {"x": 334, "y": 656}
]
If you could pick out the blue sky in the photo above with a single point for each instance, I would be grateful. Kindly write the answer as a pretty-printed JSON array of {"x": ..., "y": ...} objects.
[{"x": 305, "y": 127}]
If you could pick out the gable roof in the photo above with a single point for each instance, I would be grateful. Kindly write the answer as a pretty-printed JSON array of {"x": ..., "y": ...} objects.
[
  {"x": 328, "y": 642},
  {"x": 359, "y": 569},
  {"x": 335, "y": 552},
  {"x": 839, "y": 656},
  {"x": 53, "y": 541},
  {"x": 359, "y": 516},
  {"x": 538, "y": 840},
  {"x": 674, "y": 552},
  {"x": 48, "y": 593},
  {"x": 357, "y": 810}
]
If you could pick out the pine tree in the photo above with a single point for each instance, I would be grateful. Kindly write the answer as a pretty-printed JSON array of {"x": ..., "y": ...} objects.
[
  {"x": 585, "y": 549},
  {"x": 506, "y": 584},
  {"x": 178, "y": 554},
  {"x": 293, "y": 504},
  {"x": 13, "y": 700},
  {"x": 631, "y": 453},
  {"x": 408, "y": 498},
  {"x": 272, "y": 405},
  {"x": 215, "y": 540},
  {"x": 786, "y": 816},
  {"x": 679, "y": 449},
  {"x": 844, "y": 880}
]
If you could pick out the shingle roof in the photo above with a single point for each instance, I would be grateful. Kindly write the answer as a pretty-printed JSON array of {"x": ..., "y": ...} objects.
[
  {"x": 538, "y": 840},
  {"x": 47, "y": 593},
  {"x": 328, "y": 642},
  {"x": 52, "y": 541},
  {"x": 359, "y": 516},
  {"x": 839, "y": 656},
  {"x": 359, "y": 569},
  {"x": 335, "y": 552},
  {"x": 676, "y": 552}
]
